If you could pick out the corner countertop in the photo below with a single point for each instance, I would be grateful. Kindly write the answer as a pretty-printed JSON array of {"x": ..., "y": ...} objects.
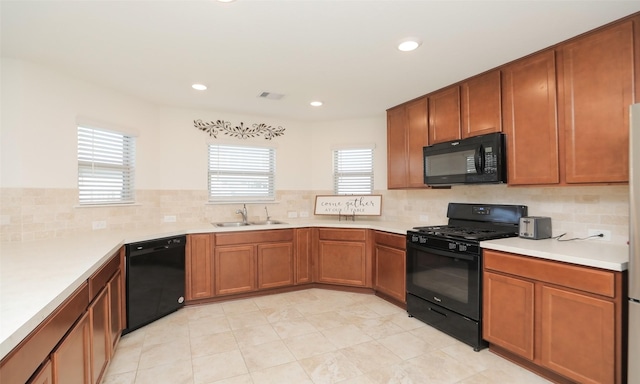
[
  {"x": 590, "y": 253},
  {"x": 36, "y": 277}
]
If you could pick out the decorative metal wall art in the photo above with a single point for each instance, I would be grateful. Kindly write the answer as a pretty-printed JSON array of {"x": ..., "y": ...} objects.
[{"x": 213, "y": 128}]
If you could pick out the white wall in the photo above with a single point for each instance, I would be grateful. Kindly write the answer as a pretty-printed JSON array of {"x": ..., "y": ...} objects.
[
  {"x": 329, "y": 135},
  {"x": 183, "y": 157},
  {"x": 40, "y": 110}
]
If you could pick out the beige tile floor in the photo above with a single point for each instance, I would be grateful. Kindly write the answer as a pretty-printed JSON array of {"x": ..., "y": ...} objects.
[{"x": 313, "y": 336}]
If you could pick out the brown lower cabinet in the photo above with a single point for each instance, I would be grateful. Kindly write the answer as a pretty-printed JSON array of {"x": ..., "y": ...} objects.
[
  {"x": 199, "y": 266},
  {"x": 76, "y": 342},
  {"x": 390, "y": 265},
  {"x": 302, "y": 257},
  {"x": 44, "y": 374},
  {"x": 343, "y": 256},
  {"x": 561, "y": 320},
  {"x": 72, "y": 359},
  {"x": 248, "y": 261},
  {"x": 100, "y": 335}
]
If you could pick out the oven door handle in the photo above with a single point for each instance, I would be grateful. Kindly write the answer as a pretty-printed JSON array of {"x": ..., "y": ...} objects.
[{"x": 444, "y": 253}]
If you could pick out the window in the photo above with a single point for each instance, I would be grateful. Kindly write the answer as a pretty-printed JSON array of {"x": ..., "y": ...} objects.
[
  {"x": 353, "y": 171},
  {"x": 239, "y": 173},
  {"x": 106, "y": 165}
]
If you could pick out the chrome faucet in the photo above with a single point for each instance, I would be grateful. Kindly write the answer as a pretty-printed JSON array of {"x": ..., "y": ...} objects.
[
  {"x": 243, "y": 212},
  {"x": 267, "y": 211}
]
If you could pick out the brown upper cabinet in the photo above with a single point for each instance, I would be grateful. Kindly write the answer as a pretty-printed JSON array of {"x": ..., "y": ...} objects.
[
  {"x": 406, "y": 136},
  {"x": 595, "y": 89},
  {"x": 481, "y": 105},
  {"x": 530, "y": 123},
  {"x": 565, "y": 109},
  {"x": 444, "y": 115}
]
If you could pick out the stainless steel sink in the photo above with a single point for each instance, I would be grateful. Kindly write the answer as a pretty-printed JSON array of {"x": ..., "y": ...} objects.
[
  {"x": 231, "y": 224},
  {"x": 267, "y": 222}
]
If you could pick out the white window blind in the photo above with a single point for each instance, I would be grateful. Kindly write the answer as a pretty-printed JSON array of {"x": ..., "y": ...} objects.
[
  {"x": 353, "y": 171},
  {"x": 106, "y": 165},
  {"x": 239, "y": 173}
]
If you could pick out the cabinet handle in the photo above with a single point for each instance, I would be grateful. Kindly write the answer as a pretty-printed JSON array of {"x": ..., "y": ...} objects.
[{"x": 478, "y": 160}]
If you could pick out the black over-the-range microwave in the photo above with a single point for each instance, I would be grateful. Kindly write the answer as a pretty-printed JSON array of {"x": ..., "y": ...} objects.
[{"x": 475, "y": 160}]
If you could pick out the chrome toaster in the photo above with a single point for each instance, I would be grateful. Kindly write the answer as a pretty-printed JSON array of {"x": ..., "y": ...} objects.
[{"x": 535, "y": 227}]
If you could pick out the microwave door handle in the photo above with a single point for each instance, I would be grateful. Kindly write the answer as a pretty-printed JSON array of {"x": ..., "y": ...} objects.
[{"x": 478, "y": 159}]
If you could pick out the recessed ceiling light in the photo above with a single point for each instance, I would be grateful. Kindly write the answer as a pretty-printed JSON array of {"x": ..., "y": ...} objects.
[
  {"x": 408, "y": 45},
  {"x": 316, "y": 103},
  {"x": 226, "y": 1},
  {"x": 199, "y": 87}
]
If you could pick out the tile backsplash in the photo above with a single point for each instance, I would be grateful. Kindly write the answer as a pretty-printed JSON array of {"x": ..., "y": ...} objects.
[{"x": 30, "y": 214}]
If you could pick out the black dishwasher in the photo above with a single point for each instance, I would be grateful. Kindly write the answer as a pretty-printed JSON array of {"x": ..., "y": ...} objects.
[{"x": 155, "y": 280}]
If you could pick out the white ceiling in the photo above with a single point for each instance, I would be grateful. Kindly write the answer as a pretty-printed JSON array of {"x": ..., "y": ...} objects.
[{"x": 341, "y": 52}]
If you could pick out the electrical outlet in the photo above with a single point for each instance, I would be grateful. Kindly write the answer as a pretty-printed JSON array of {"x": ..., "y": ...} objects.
[
  {"x": 606, "y": 234},
  {"x": 424, "y": 218},
  {"x": 99, "y": 224},
  {"x": 292, "y": 214},
  {"x": 170, "y": 219},
  {"x": 304, "y": 213},
  {"x": 5, "y": 219}
]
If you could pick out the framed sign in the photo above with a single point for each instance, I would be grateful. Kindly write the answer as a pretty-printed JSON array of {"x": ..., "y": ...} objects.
[{"x": 349, "y": 205}]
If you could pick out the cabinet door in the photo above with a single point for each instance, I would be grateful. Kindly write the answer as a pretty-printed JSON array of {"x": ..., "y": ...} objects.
[
  {"x": 481, "y": 105},
  {"x": 43, "y": 376},
  {"x": 508, "y": 319},
  {"x": 578, "y": 336},
  {"x": 397, "y": 165},
  {"x": 275, "y": 265},
  {"x": 235, "y": 269},
  {"x": 596, "y": 78},
  {"x": 390, "y": 272},
  {"x": 303, "y": 256},
  {"x": 342, "y": 262},
  {"x": 100, "y": 335},
  {"x": 116, "y": 309},
  {"x": 199, "y": 266},
  {"x": 529, "y": 115},
  {"x": 71, "y": 360},
  {"x": 417, "y": 138},
  {"x": 444, "y": 115}
]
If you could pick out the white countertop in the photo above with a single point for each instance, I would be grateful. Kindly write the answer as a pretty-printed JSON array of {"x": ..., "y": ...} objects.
[
  {"x": 36, "y": 277},
  {"x": 590, "y": 253}
]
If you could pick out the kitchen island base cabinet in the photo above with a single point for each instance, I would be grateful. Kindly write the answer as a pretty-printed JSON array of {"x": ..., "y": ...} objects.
[{"x": 561, "y": 320}]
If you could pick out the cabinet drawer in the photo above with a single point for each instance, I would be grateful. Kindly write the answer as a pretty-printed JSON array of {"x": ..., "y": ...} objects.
[
  {"x": 391, "y": 240},
  {"x": 342, "y": 234},
  {"x": 248, "y": 237},
  {"x": 98, "y": 280},
  {"x": 571, "y": 276}
]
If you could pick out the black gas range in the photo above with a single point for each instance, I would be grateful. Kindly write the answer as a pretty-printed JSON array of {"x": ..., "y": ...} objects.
[{"x": 444, "y": 267}]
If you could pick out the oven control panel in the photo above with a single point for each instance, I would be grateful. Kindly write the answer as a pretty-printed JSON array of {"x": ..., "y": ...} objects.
[{"x": 427, "y": 242}]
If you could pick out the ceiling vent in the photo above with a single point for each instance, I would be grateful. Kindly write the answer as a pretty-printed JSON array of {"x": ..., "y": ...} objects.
[{"x": 270, "y": 95}]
